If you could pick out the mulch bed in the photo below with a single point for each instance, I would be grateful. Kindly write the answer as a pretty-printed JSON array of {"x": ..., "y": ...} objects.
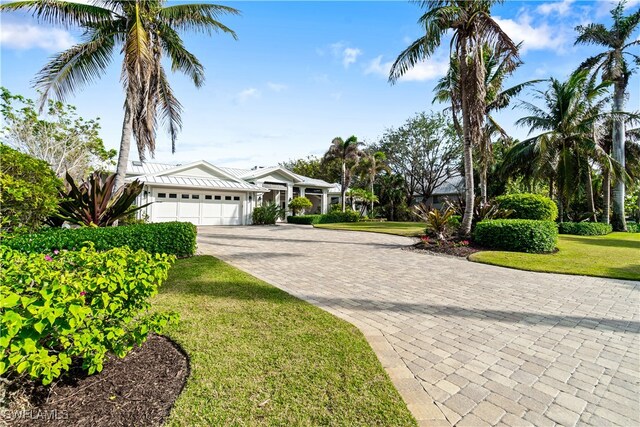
[
  {"x": 138, "y": 390},
  {"x": 450, "y": 247}
]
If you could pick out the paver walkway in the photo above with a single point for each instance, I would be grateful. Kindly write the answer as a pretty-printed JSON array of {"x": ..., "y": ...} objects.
[{"x": 489, "y": 345}]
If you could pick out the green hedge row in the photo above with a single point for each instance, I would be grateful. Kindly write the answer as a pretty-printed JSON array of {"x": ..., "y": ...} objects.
[
  {"x": 173, "y": 238},
  {"x": 585, "y": 228},
  {"x": 529, "y": 206},
  {"x": 633, "y": 227},
  {"x": 304, "y": 219},
  {"x": 519, "y": 235}
]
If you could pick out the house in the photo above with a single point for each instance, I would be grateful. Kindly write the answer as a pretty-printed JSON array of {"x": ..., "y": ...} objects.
[
  {"x": 452, "y": 189},
  {"x": 205, "y": 194}
]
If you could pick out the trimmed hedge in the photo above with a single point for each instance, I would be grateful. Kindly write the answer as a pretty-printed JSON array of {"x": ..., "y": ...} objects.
[
  {"x": 173, "y": 238},
  {"x": 304, "y": 219},
  {"x": 633, "y": 227},
  {"x": 333, "y": 217},
  {"x": 529, "y": 206},
  {"x": 518, "y": 235},
  {"x": 585, "y": 228}
]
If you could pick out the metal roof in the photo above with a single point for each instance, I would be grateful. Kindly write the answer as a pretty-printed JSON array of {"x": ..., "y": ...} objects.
[
  {"x": 146, "y": 168},
  {"x": 184, "y": 181}
]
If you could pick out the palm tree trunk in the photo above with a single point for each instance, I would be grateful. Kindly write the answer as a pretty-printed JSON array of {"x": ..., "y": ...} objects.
[
  {"x": 618, "y": 220},
  {"x": 372, "y": 196},
  {"x": 125, "y": 146},
  {"x": 551, "y": 188},
  {"x": 592, "y": 205},
  {"x": 606, "y": 195},
  {"x": 483, "y": 183},
  {"x": 344, "y": 190}
]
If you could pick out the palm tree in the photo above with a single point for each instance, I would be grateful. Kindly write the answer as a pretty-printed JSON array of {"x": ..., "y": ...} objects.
[
  {"x": 146, "y": 30},
  {"x": 473, "y": 30},
  {"x": 371, "y": 164},
  {"x": 347, "y": 152},
  {"x": 497, "y": 69},
  {"x": 613, "y": 65}
]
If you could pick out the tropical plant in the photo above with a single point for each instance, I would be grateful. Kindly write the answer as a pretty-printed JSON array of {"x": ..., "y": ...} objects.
[
  {"x": 613, "y": 65},
  {"x": 267, "y": 214},
  {"x": 371, "y": 164},
  {"x": 28, "y": 191},
  {"x": 315, "y": 167},
  {"x": 365, "y": 197},
  {"x": 299, "y": 204},
  {"x": 95, "y": 202},
  {"x": 390, "y": 189},
  {"x": 147, "y": 30},
  {"x": 497, "y": 70},
  {"x": 473, "y": 30},
  {"x": 438, "y": 222},
  {"x": 348, "y": 153}
]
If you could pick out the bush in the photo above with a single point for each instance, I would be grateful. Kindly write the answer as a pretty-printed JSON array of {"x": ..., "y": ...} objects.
[
  {"x": 299, "y": 204},
  {"x": 173, "y": 238},
  {"x": 455, "y": 221},
  {"x": 28, "y": 191},
  {"x": 337, "y": 216},
  {"x": 519, "y": 235},
  {"x": 76, "y": 305},
  {"x": 585, "y": 228},
  {"x": 529, "y": 206},
  {"x": 266, "y": 215},
  {"x": 304, "y": 219},
  {"x": 633, "y": 227}
]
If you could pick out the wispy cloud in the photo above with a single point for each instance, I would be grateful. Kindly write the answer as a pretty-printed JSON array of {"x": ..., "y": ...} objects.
[
  {"x": 276, "y": 87},
  {"x": 557, "y": 7},
  {"x": 27, "y": 36},
  {"x": 427, "y": 70},
  {"x": 247, "y": 94},
  {"x": 348, "y": 55},
  {"x": 533, "y": 37}
]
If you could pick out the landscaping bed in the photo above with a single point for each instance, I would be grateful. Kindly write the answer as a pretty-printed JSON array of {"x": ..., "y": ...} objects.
[
  {"x": 458, "y": 248},
  {"x": 137, "y": 390}
]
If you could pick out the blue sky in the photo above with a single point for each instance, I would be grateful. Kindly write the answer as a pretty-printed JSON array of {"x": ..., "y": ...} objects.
[{"x": 302, "y": 73}]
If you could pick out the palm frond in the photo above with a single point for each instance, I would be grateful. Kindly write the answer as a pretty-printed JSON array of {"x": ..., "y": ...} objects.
[
  {"x": 198, "y": 17},
  {"x": 57, "y": 12}
]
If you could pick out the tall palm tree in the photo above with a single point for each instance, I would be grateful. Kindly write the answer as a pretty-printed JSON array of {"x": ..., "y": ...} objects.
[
  {"x": 497, "y": 69},
  {"x": 473, "y": 30},
  {"x": 372, "y": 163},
  {"x": 347, "y": 152},
  {"x": 146, "y": 30},
  {"x": 562, "y": 150},
  {"x": 613, "y": 65}
]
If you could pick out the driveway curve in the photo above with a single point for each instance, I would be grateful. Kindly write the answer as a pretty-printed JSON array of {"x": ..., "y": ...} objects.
[{"x": 464, "y": 343}]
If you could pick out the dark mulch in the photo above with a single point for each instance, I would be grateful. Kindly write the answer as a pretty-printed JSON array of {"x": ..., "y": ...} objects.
[
  {"x": 138, "y": 390},
  {"x": 449, "y": 247}
]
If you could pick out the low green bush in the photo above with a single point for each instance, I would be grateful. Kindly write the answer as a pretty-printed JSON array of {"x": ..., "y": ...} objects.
[
  {"x": 81, "y": 305},
  {"x": 304, "y": 219},
  {"x": 519, "y": 235},
  {"x": 338, "y": 216},
  {"x": 529, "y": 206},
  {"x": 633, "y": 227},
  {"x": 455, "y": 221},
  {"x": 173, "y": 238},
  {"x": 266, "y": 214},
  {"x": 585, "y": 228}
]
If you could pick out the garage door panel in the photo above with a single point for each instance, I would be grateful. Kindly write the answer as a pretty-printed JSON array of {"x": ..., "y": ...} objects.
[{"x": 201, "y": 208}]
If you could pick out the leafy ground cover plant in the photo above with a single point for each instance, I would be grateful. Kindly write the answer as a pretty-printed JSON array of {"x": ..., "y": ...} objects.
[{"x": 67, "y": 307}]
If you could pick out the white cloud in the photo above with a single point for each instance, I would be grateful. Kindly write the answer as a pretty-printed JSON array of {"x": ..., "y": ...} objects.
[
  {"x": 27, "y": 36},
  {"x": 276, "y": 87},
  {"x": 348, "y": 55},
  {"x": 246, "y": 94},
  {"x": 605, "y": 6},
  {"x": 557, "y": 7},
  {"x": 532, "y": 37},
  {"x": 427, "y": 70}
]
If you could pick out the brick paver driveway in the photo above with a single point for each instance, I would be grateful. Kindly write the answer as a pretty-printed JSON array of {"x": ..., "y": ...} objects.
[{"x": 488, "y": 345}]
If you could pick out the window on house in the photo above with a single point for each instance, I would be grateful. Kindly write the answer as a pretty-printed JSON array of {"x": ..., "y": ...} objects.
[
  {"x": 236, "y": 197},
  {"x": 162, "y": 195},
  {"x": 184, "y": 196},
  {"x": 207, "y": 197},
  {"x": 173, "y": 196},
  {"x": 217, "y": 197},
  {"x": 227, "y": 197},
  {"x": 195, "y": 196}
]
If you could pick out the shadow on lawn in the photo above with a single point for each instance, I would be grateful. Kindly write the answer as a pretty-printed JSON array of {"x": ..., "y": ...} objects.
[{"x": 603, "y": 241}]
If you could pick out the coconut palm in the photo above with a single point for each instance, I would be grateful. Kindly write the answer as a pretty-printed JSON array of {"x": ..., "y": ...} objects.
[
  {"x": 146, "y": 30},
  {"x": 473, "y": 30},
  {"x": 613, "y": 64},
  {"x": 347, "y": 152},
  {"x": 371, "y": 164},
  {"x": 497, "y": 69}
]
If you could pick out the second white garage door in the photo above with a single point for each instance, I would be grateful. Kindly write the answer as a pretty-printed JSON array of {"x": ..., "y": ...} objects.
[{"x": 200, "y": 208}]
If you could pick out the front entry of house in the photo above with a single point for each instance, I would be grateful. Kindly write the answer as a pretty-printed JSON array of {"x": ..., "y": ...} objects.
[{"x": 198, "y": 207}]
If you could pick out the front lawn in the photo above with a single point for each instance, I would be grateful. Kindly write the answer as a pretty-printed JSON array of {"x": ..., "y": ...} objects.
[
  {"x": 262, "y": 357},
  {"x": 615, "y": 255},
  {"x": 409, "y": 229}
]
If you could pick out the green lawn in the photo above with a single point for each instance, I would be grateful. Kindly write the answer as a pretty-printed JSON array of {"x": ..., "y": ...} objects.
[
  {"x": 388, "y": 227},
  {"x": 616, "y": 255},
  {"x": 262, "y": 357}
]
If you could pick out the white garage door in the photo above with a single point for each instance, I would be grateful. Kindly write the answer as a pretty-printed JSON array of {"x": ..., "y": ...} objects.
[{"x": 199, "y": 208}]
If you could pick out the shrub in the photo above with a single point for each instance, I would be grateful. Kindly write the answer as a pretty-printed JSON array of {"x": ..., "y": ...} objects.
[
  {"x": 299, "y": 204},
  {"x": 304, "y": 219},
  {"x": 28, "y": 191},
  {"x": 76, "y": 305},
  {"x": 585, "y": 228},
  {"x": 266, "y": 215},
  {"x": 174, "y": 238},
  {"x": 519, "y": 235},
  {"x": 529, "y": 206},
  {"x": 438, "y": 222},
  {"x": 633, "y": 227},
  {"x": 337, "y": 216}
]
